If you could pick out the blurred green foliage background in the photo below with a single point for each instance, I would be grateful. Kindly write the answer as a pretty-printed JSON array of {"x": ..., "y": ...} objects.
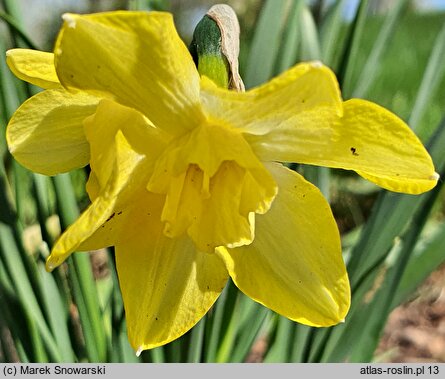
[{"x": 390, "y": 52}]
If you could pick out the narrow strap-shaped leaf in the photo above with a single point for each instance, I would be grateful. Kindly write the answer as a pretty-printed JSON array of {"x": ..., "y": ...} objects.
[
  {"x": 16, "y": 27},
  {"x": 301, "y": 343},
  {"x": 265, "y": 43},
  {"x": 254, "y": 316},
  {"x": 431, "y": 80},
  {"x": 330, "y": 33},
  {"x": 349, "y": 59},
  {"x": 218, "y": 321},
  {"x": 280, "y": 350},
  {"x": 310, "y": 44},
  {"x": 426, "y": 258},
  {"x": 194, "y": 353},
  {"x": 85, "y": 292},
  {"x": 381, "y": 305},
  {"x": 13, "y": 263},
  {"x": 291, "y": 39},
  {"x": 57, "y": 315},
  {"x": 373, "y": 62}
]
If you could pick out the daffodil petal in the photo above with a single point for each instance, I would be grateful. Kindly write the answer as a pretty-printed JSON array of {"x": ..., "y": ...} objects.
[
  {"x": 101, "y": 128},
  {"x": 46, "y": 134},
  {"x": 124, "y": 161},
  {"x": 33, "y": 66},
  {"x": 124, "y": 145},
  {"x": 145, "y": 140},
  {"x": 167, "y": 285},
  {"x": 136, "y": 58},
  {"x": 367, "y": 139},
  {"x": 398, "y": 162},
  {"x": 294, "y": 266},
  {"x": 263, "y": 109}
]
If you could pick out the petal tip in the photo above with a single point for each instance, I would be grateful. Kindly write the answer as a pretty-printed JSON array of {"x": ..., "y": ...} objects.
[
  {"x": 316, "y": 64},
  {"x": 139, "y": 351},
  {"x": 435, "y": 176},
  {"x": 69, "y": 19},
  {"x": 49, "y": 266}
]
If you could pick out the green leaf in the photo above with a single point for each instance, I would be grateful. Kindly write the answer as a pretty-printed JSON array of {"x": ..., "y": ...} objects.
[
  {"x": 350, "y": 56},
  {"x": 431, "y": 79},
  {"x": 330, "y": 34},
  {"x": 280, "y": 347},
  {"x": 291, "y": 39},
  {"x": 427, "y": 256},
  {"x": 373, "y": 62},
  {"x": 310, "y": 44},
  {"x": 265, "y": 42},
  {"x": 81, "y": 276}
]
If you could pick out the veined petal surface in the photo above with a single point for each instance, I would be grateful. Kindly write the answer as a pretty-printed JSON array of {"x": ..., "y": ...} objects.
[
  {"x": 33, "y": 66},
  {"x": 126, "y": 161},
  {"x": 167, "y": 285},
  {"x": 123, "y": 145},
  {"x": 46, "y": 133},
  {"x": 136, "y": 58},
  {"x": 261, "y": 110},
  {"x": 294, "y": 266},
  {"x": 367, "y": 139}
]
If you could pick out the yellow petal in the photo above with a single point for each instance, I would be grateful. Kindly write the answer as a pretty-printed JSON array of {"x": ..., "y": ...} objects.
[
  {"x": 294, "y": 266},
  {"x": 46, "y": 134},
  {"x": 398, "y": 161},
  {"x": 136, "y": 58},
  {"x": 263, "y": 109},
  {"x": 123, "y": 162},
  {"x": 124, "y": 145},
  {"x": 368, "y": 139},
  {"x": 167, "y": 286},
  {"x": 33, "y": 66},
  {"x": 102, "y": 127}
]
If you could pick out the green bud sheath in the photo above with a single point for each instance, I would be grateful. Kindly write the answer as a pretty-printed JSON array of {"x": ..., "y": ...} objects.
[{"x": 207, "y": 52}]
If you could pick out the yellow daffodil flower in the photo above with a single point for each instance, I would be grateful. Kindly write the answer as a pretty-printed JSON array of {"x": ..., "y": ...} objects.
[{"x": 184, "y": 176}]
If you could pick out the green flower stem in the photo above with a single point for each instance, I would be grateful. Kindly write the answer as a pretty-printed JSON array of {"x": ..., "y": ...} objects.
[{"x": 81, "y": 276}]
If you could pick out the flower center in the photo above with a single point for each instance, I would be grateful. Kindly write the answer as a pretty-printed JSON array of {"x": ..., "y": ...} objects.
[{"x": 214, "y": 184}]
